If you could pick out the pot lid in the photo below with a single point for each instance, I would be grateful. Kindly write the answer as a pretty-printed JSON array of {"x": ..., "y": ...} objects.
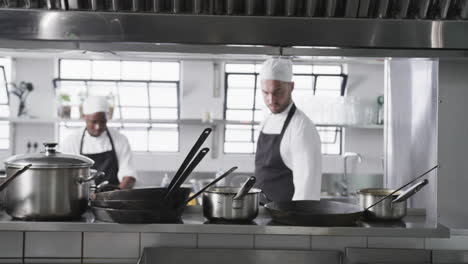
[{"x": 49, "y": 158}]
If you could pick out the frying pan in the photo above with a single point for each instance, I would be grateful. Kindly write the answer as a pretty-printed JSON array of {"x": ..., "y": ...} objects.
[
  {"x": 323, "y": 213},
  {"x": 143, "y": 212}
]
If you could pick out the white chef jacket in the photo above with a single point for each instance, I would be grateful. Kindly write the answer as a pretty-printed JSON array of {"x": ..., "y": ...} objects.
[
  {"x": 93, "y": 145},
  {"x": 300, "y": 150}
]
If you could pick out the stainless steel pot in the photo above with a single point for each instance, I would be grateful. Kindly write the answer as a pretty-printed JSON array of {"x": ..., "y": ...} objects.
[
  {"x": 55, "y": 187},
  {"x": 391, "y": 208},
  {"x": 386, "y": 209},
  {"x": 231, "y": 204}
]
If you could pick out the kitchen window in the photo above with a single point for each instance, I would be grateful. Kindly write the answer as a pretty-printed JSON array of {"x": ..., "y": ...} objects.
[
  {"x": 243, "y": 109},
  {"x": 144, "y": 98},
  {"x": 4, "y": 107}
]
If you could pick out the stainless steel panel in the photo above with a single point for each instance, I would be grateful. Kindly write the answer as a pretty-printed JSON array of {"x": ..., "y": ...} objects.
[
  {"x": 364, "y": 6},
  {"x": 311, "y": 8},
  {"x": 330, "y": 8},
  {"x": 382, "y": 9},
  {"x": 449, "y": 256},
  {"x": 175, "y": 6},
  {"x": 352, "y": 7},
  {"x": 193, "y": 29},
  {"x": 370, "y": 255},
  {"x": 52, "y": 245},
  {"x": 421, "y": 6},
  {"x": 249, "y": 7},
  {"x": 463, "y": 9},
  {"x": 157, "y": 5},
  {"x": 233, "y": 256},
  {"x": 410, "y": 135},
  {"x": 271, "y": 7},
  {"x": 400, "y": 8},
  {"x": 290, "y": 7}
]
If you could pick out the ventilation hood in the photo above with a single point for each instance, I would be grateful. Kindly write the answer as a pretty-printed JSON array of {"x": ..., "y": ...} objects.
[{"x": 356, "y": 24}]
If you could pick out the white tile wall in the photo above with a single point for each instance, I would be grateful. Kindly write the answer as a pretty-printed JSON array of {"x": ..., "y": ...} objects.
[
  {"x": 11, "y": 244},
  {"x": 338, "y": 242},
  {"x": 225, "y": 241},
  {"x": 395, "y": 242},
  {"x": 111, "y": 245},
  {"x": 52, "y": 244},
  {"x": 452, "y": 243},
  {"x": 281, "y": 242},
  {"x": 168, "y": 240}
]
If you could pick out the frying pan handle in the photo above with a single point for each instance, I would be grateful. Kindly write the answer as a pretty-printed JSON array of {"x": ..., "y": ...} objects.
[
  {"x": 206, "y": 132},
  {"x": 410, "y": 192},
  {"x": 187, "y": 172}
]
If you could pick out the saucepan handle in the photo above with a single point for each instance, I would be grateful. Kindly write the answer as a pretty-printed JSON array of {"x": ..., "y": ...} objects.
[{"x": 93, "y": 175}]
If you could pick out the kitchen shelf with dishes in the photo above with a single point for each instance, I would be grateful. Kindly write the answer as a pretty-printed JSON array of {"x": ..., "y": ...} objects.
[{"x": 172, "y": 121}]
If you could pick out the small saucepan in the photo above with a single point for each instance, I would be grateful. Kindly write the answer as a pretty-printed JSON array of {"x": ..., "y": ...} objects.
[
  {"x": 232, "y": 204},
  {"x": 389, "y": 209}
]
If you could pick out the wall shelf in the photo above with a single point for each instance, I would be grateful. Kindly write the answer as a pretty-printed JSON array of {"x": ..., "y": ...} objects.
[{"x": 180, "y": 122}]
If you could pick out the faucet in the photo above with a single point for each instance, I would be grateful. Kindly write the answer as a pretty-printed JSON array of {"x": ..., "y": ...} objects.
[{"x": 344, "y": 180}]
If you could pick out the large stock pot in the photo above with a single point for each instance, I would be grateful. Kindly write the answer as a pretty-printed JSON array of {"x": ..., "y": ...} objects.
[{"x": 56, "y": 187}]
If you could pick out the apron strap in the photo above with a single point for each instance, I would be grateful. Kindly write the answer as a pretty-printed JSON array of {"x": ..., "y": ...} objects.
[
  {"x": 288, "y": 118},
  {"x": 113, "y": 148},
  {"x": 81, "y": 142}
]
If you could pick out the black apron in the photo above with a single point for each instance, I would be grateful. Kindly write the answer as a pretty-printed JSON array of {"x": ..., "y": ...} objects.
[
  {"x": 273, "y": 176},
  {"x": 106, "y": 162}
]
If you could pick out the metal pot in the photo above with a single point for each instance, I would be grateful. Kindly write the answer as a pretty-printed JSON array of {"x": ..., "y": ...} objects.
[
  {"x": 389, "y": 209},
  {"x": 55, "y": 187},
  {"x": 231, "y": 204},
  {"x": 385, "y": 210}
]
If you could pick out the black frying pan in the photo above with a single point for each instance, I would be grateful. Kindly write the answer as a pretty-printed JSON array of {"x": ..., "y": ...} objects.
[
  {"x": 144, "y": 211},
  {"x": 323, "y": 213}
]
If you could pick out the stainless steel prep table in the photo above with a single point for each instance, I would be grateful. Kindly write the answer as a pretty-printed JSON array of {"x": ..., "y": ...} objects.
[{"x": 414, "y": 225}]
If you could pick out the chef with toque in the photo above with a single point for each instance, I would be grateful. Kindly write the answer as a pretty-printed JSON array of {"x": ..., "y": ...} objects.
[
  {"x": 109, "y": 149},
  {"x": 288, "y": 160}
]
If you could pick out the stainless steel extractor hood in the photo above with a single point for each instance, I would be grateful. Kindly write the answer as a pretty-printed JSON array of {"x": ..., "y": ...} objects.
[{"x": 383, "y": 24}]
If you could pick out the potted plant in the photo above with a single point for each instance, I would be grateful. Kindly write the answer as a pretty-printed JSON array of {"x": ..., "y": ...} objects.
[{"x": 65, "y": 106}]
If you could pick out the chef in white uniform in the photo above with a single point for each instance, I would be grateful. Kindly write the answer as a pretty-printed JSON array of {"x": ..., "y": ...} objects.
[
  {"x": 109, "y": 149},
  {"x": 288, "y": 160}
]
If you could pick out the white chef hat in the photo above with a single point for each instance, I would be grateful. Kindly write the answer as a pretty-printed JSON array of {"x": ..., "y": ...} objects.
[
  {"x": 95, "y": 104},
  {"x": 278, "y": 69}
]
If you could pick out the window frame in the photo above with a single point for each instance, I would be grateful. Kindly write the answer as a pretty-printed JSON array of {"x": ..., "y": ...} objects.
[
  {"x": 8, "y": 139},
  {"x": 121, "y": 121},
  {"x": 339, "y": 132}
]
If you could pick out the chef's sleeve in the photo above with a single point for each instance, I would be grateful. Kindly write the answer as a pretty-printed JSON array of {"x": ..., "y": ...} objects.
[
  {"x": 306, "y": 162},
  {"x": 125, "y": 158}
]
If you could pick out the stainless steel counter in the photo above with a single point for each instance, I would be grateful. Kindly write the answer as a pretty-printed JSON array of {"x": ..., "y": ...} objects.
[{"x": 413, "y": 225}]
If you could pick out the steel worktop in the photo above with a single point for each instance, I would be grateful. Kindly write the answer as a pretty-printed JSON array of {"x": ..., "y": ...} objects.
[{"x": 414, "y": 225}]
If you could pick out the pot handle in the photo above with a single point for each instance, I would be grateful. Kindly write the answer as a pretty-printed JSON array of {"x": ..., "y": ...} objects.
[
  {"x": 410, "y": 192},
  {"x": 94, "y": 174},
  {"x": 266, "y": 198}
]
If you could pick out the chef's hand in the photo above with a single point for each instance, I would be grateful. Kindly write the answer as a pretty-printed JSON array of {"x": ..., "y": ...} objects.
[{"x": 127, "y": 182}]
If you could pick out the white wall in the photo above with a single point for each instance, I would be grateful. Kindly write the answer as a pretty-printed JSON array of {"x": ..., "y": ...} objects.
[{"x": 197, "y": 96}]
